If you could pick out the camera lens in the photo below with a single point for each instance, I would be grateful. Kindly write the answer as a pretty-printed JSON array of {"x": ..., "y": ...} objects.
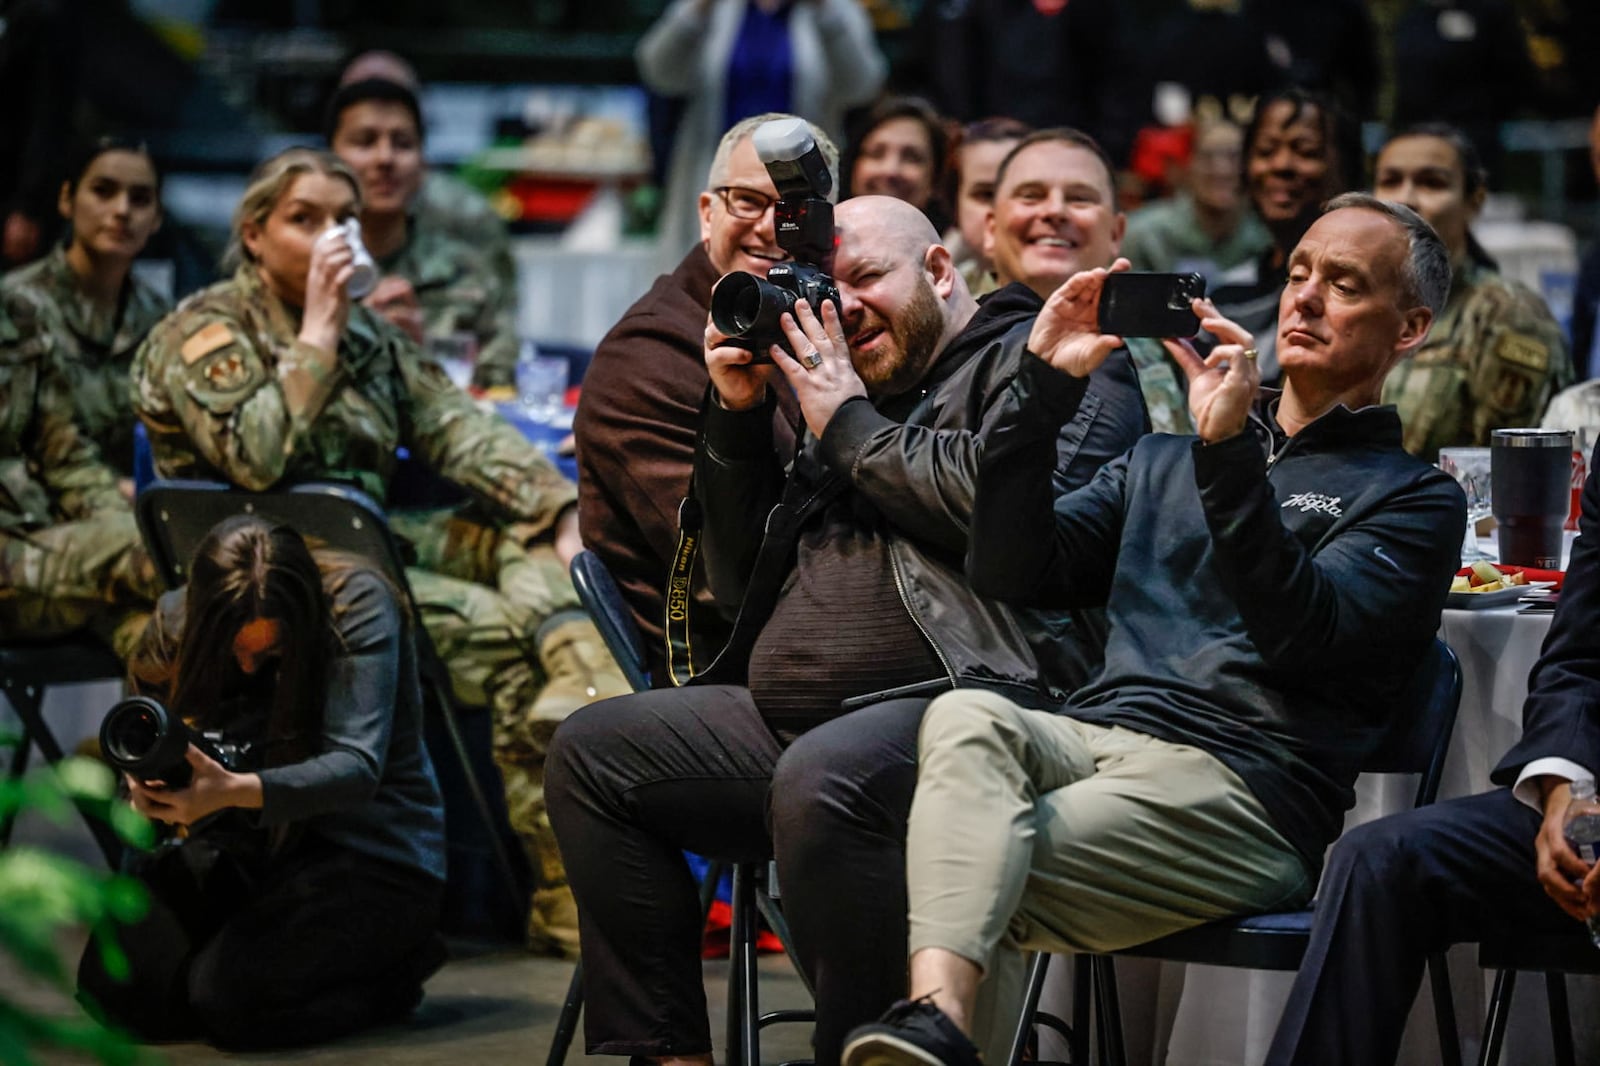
[{"x": 131, "y": 734}]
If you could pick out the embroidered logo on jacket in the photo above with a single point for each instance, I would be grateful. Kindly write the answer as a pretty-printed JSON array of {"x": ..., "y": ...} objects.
[{"x": 1310, "y": 502}]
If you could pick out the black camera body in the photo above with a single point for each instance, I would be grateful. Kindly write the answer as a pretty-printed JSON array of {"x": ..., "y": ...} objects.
[
  {"x": 747, "y": 308},
  {"x": 140, "y": 737}
]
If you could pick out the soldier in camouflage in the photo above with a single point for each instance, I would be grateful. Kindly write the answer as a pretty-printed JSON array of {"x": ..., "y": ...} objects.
[
  {"x": 442, "y": 292},
  {"x": 446, "y": 204},
  {"x": 1054, "y": 215},
  {"x": 85, "y": 295},
  {"x": 1495, "y": 355},
  {"x": 70, "y": 555},
  {"x": 273, "y": 377}
]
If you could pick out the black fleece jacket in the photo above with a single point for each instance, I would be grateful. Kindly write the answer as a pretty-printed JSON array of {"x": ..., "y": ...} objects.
[{"x": 1268, "y": 597}]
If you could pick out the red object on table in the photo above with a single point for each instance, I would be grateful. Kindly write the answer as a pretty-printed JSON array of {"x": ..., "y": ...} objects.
[
  {"x": 1531, "y": 573},
  {"x": 1580, "y": 473}
]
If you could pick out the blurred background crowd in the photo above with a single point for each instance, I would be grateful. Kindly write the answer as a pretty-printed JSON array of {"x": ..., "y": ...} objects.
[{"x": 587, "y": 127}]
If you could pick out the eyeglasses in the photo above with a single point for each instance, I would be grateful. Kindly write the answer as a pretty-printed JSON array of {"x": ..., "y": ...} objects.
[{"x": 744, "y": 203}]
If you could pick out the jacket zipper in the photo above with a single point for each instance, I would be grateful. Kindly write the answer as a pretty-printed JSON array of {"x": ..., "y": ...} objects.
[{"x": 905, "y": 601}]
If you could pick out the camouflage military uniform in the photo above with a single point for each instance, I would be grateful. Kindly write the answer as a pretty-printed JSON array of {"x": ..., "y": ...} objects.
[
  {"x": 95, "y": 348},
  {"x": 449, "y": 205},
  {"x": 1493, "y": 359},
  {"x": 460, "y": 297},
  {"x": 70, "y": 555},
  {"x": 1162, "y": 384},
  {"x": 1166, "y": 236},
  {"x": 214, "y": 385}
]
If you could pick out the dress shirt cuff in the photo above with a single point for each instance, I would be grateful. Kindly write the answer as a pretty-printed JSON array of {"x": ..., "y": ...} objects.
[{"x": 1527, "y": 787}]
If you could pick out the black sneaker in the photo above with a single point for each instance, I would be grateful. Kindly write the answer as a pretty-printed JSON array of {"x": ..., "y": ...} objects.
[{"x": 910, "y": 1033}]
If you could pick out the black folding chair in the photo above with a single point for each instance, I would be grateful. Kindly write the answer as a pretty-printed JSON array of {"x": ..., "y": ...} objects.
[
  {"x": 755, "y": 889},
  {"x": 1555, "y": 955},
  {"x": 174, "y": 516},
  {"x": 1425, "y": 718},
  {"x": 27, "y": 669}
]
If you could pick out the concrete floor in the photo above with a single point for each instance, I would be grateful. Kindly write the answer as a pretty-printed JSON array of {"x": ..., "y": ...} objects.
[{"x": 487, "y": 1005}]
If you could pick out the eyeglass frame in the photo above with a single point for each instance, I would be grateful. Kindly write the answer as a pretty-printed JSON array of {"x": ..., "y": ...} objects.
[{"x": 725, "y": 191}]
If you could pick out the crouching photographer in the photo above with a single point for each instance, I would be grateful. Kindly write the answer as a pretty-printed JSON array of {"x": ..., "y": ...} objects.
[{"x": 279, "y": 736}]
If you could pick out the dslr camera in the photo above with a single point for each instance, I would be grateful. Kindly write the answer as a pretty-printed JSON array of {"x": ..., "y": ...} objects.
[
  {"x": 746, "y": 308},
  {"x": 140, "y": 737}
]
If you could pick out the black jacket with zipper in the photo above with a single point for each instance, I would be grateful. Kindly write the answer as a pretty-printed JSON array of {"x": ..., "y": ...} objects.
[
  {"x": 1267, "y": 596},
  {"x": 905, "y": 469}
]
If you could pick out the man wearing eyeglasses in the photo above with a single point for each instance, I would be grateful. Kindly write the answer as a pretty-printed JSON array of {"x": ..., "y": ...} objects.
[{"x": 640, "y": 408}]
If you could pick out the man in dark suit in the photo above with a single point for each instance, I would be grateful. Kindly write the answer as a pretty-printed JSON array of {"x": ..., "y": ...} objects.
[{"x": 1401, "y": 887}]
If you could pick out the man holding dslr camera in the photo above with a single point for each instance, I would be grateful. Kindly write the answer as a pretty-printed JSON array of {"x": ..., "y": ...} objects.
[
  {"x": 847, "y": 574},
  {"x": 639, "y": 412}
]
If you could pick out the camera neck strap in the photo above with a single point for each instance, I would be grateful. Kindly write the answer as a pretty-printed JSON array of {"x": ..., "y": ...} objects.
[
  {"x": 809, "y": 488},
  {"x": 680, "y": 594}
]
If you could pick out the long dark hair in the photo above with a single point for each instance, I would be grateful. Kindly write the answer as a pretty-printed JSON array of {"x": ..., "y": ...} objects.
[{"x": 247, "y": 568}]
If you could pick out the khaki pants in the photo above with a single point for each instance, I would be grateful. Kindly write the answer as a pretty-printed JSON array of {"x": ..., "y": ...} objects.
[{"x": 1035, "y": 830}]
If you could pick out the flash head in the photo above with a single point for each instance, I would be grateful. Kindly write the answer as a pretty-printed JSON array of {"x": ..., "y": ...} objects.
[{"x": 787, "y": 149}]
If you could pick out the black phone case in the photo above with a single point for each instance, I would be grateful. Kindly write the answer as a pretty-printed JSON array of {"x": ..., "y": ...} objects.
[{"x": 1150, "y": 305}]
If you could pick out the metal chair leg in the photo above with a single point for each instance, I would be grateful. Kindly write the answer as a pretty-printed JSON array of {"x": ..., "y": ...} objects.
[
  {"x": 1555, "y": 983},
  {"x": 1505, "y": 982},
  {"x": 480, "y": 801},
  {"x": 1444, "y": 1010},
  {"x": 1110, "y": 1013},
  {"x": 567, "y": 1020},
  {"x": 1030, "y": 1003},
  {"x": 27, "y": 700},
  {"x": 1082, "y": 995},
  {"x": 744, "y": 1038},
  {"x": 19, "y": 766}
]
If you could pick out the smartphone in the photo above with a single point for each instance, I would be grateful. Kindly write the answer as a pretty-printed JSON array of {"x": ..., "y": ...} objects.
[{"x": 1150, "y": 305}]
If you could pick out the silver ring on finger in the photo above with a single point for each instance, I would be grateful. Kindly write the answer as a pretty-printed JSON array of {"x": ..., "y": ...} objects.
[{"x": 811, "y": 358}]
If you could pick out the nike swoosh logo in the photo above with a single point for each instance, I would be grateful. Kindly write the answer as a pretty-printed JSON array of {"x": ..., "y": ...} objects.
[{"x": 1380, "y": 553}]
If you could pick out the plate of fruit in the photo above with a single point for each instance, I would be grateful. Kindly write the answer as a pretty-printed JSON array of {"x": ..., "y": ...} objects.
[{"x": 1490, "y": 585}]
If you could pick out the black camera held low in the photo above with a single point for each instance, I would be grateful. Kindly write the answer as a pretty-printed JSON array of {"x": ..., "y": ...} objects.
[
  {"x": 747, "y": 308},
  {"x": 140, "y": 737}
]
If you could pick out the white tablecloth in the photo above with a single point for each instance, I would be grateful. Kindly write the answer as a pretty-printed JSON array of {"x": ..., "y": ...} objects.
[{"x": 1214, "y": 1016}]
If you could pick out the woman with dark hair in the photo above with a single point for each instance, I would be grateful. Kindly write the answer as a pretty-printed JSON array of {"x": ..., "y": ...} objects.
[
  {"x": 1494, "y": 356},
  {"x": 87, "y": 297},
  {"x": 301, "y": 899},
  {"x": 900, "y": 149},
  {"x": 1297, "y": 151}
]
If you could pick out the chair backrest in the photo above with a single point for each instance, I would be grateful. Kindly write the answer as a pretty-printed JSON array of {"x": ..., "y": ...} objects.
[
  {"x": 174, "y": 516},
  {"x": 601, "y": 597},
  {"x": 1424, "y": 717}
]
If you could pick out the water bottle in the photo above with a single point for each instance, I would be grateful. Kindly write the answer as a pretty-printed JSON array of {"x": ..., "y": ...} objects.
[{"x": 1583, "y": 834}]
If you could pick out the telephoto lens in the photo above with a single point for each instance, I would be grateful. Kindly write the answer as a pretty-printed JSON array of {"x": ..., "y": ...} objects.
[{"x": 141, "y": 738}]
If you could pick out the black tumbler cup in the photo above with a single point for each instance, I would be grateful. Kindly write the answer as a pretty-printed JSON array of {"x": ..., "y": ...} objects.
[{"x": 1531, "y": 474}]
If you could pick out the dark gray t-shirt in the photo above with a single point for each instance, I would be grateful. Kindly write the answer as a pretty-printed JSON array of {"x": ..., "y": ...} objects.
[{"x": 370, "y": 786}]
